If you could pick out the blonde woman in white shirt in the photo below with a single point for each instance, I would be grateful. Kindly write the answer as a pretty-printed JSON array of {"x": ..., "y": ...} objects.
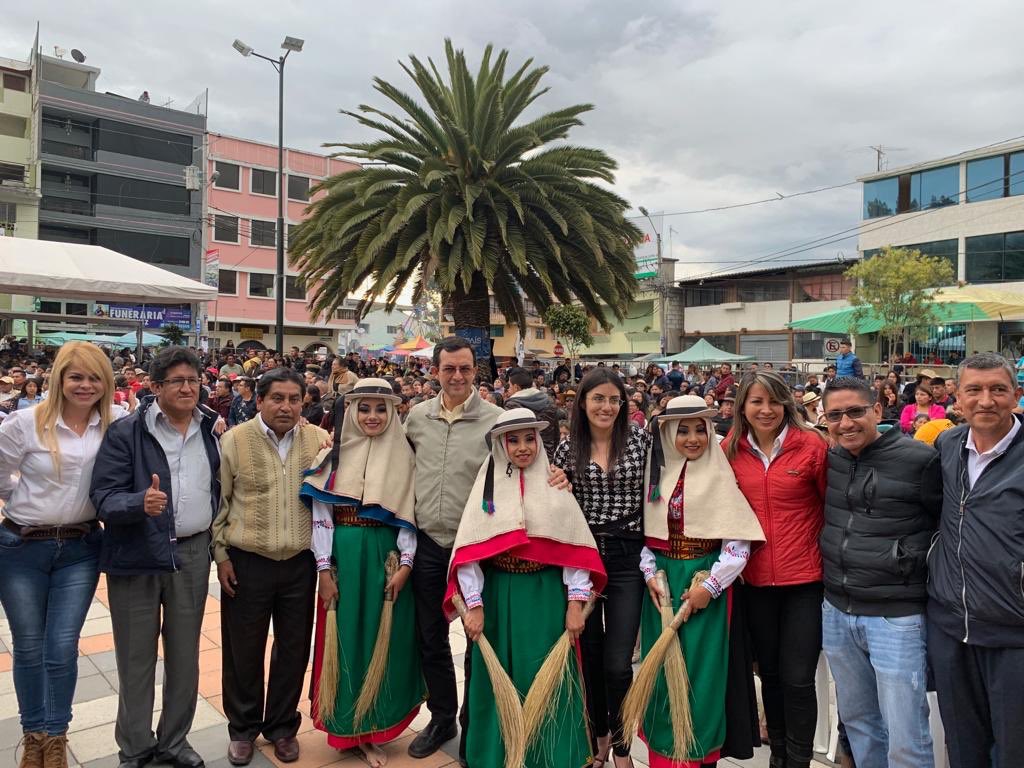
[{"x": 50, "y": 541}]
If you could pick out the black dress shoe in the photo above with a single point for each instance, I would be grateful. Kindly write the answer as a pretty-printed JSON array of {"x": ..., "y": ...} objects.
[
  {"x": 136, "y": 762},
  {"x": 187, "y": 758},
  {"x": 430, "y": 739}
]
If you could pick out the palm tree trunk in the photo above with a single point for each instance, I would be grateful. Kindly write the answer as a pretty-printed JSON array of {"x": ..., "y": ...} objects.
[{"x": 471, "y": 311}]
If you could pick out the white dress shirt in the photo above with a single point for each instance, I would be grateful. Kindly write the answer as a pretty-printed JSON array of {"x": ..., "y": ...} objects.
[
  {"x": 191, "y": 476},
  {"x": 976, "y": 462},
  {"x": 776, "y": 447},
  {"x": 283, "y": 444},
  {"x": 33, "y": 491}
]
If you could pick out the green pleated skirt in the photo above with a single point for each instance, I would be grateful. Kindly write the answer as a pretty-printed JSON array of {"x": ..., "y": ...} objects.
[
  {"x": 524, "y": 614},
  {"x": 360, "y": 553},
  {"x": 705, "y": 644}
]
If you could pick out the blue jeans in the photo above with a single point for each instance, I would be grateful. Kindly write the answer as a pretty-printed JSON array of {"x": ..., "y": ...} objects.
[
  {"x": 46, "y": 587},
  {"x": 880, "y": 668}
]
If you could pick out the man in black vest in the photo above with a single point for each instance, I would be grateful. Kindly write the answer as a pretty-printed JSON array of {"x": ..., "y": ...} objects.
[{"x": 881, "y": 509}]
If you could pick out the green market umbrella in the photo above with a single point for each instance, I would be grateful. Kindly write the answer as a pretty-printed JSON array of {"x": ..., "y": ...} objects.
[{"x": 703, "y": 352}]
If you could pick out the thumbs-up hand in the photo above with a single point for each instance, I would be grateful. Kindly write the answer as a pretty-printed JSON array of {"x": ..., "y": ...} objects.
[{"x": 155, "y": 501}]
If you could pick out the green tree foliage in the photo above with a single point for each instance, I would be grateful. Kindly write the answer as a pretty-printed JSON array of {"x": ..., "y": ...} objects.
[
  {"x": 465, "y": 196},
  {"x": 173, "y": 335},
  {"x": 570, "y": 324},
  {"x": 894, "y": 286}
]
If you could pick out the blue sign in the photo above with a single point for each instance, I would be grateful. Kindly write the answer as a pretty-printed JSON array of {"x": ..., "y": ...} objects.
[
  {"x": 477, "y": 340},
  {"x": 152, "y": 315}
]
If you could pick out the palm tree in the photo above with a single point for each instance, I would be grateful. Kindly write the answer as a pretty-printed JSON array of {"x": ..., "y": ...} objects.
[{"x": 459, "y": 197}]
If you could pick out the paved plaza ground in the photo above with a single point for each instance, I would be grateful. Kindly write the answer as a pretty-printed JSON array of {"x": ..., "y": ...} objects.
[{"x": 91, "y": 736}]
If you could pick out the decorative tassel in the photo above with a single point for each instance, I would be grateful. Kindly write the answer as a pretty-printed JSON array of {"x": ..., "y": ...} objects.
[
  {"x": 488, "y": 501},
  {"x": 653, "y": 493},
  {"x": 508, "y": 469},
  {"x": 657, "y": 462}
]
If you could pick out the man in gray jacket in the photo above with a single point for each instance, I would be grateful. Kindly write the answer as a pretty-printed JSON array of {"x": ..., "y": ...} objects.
[
  {"x": 448, "y": 433},
  {"x": 976, "y": 572}
]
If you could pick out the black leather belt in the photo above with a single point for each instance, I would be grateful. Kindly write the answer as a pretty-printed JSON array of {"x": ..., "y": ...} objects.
[{"x": 47, "y": 532}]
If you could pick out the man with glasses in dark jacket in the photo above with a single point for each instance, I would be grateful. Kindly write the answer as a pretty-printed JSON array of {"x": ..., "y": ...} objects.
[
  {"x": 976, "y": 572},
  {"x": 155, "y": 487},
  {"x": 881, "y": 508}
]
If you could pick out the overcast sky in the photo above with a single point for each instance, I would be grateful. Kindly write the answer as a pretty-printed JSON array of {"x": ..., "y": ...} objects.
[{"x": 704, "y": 103}]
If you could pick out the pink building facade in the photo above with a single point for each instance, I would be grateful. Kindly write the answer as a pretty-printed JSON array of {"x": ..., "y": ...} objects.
[{"x": 241, "y": 248}]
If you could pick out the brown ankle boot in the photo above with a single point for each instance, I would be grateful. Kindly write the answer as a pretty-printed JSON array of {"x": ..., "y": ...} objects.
[
  {"x": 55, "y": 751},
  {"x": 32, "y": 750}
]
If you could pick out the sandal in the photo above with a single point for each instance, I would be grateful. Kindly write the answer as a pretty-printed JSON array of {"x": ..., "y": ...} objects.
[{"x": 604, "y": 748}]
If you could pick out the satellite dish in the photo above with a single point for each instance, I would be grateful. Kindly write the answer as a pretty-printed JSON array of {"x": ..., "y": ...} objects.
[{"x": 78, "y": 56}]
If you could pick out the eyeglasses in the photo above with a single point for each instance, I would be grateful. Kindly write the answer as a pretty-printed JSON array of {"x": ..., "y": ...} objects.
[
  {"x": 178, "y": 383},
  {"x": 857, "y": 412},
  {"x": 601, "y": 400}
]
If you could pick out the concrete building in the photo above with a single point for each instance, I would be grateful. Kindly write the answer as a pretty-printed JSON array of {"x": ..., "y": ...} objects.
[
  {"x": 241, "y": 245},
  {"x": 748, "y": 311},
  {"x": 121, "y": 172},
  {"x": 968, "y": 208}
]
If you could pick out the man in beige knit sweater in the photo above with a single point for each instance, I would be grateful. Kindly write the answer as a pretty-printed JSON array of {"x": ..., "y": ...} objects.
[{"x": 261, "y": 542}]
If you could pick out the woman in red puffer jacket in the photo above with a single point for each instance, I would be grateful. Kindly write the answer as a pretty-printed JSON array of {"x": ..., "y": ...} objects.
[{"x": 780, "y": 465}]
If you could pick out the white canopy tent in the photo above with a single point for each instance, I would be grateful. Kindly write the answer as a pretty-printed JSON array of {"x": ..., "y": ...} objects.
[
  {"x": 72, "y": 271},
  {"x": 89, "y": 272}
]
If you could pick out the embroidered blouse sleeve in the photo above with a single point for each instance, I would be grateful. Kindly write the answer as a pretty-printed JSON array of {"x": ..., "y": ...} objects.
[
  {"x": 578, "y": 582},
  {"x": 471, "y": 584},
  {"x": 323, "y": 535},
  {"x": 731, "y": 563},
  {"x": 407, "y": 545},
  {"x": 647, "y": 563}
]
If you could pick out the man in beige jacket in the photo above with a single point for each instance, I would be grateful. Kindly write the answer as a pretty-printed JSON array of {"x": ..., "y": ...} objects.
[{"x": 261, "y": 542}]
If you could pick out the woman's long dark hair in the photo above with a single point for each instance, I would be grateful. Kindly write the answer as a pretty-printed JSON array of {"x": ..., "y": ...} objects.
[{"x": 579, "y": 427}]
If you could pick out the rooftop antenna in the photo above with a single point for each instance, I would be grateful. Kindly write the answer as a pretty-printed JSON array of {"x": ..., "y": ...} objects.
[
  {"x": 59, "y": 52},
  {"x": 78, "y": 56},
  {"x": 881, "y": 152}
]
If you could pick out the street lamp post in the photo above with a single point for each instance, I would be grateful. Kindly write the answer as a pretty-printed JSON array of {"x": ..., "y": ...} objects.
[{"x": 290, "y": 44}]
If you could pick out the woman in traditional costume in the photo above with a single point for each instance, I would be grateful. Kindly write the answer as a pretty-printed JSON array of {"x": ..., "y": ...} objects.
[
  {"x": 525, "y": 564},
  {"x": 701, "y": 525},
  {"x": 361, "y": 494}
]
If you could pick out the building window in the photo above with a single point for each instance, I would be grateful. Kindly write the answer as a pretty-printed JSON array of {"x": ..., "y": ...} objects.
[
  {"x": 261, "y": 285},
  {"x": 141, "y": 195},
  {"x": 294, "y": 288},
  {"x": 1016, "y": 177},
  {"x": 138, "y": 141},
  {"x": 345, "y": 314},
  {"x": 539, "y": 334},
  {"x": 824, "y": 287},
  {"x": 809, "y": 345},
  {"x": 261, "y": 233},
  {"x": 763, "y": 292},
  {"x": 230, "y": 176},
  {"x": 702, "y": 296},
  {"x": 298, "y": 188},
  {"x": 880, "y": 197},
  {"x": 12, "y": 172},
  {"x": 939, "y": 187},
  {"x": 497, "y": 331},
  {"x": 225, "y": 228},
  {"x": 393, "y": 330},
  {"x": 152, "y": 249},
  {"x": 8, "y": 216},
  {"x": 986, "y": 178},
  {"x": 51, "y": 307},
  {"x": 994, "y": 258},
  {"x": 227, "y": 282},
  {"x": 364, "y": 327},
  {"x": 76, "y": 308},
  {"x": 66, "y": 235},
  {"x": 15, "y": 82},
  {"x": 263, "y": 182}
]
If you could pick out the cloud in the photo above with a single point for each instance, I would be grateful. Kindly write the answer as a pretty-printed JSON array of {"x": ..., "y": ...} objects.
[{"x": 703, "y": 103}]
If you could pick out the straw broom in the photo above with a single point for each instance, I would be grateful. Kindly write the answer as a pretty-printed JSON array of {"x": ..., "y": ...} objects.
[
  {"x": 665, "y": 653},
  {"x": 506, "y": 698},
  {"x": 544, "y": 691},
  {"x": 379, "y": 661},
  {"x": 327, "y": 687}
]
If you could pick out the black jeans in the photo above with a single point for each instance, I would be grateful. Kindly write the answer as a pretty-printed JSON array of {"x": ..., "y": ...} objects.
[
  {"x": 609, "y": 637},
  {"x": 267, "y": 589},
  {"x": 980, "y": 700},
  {"x": 429, "y": 581},
  {"x": 785, "y": 630}
]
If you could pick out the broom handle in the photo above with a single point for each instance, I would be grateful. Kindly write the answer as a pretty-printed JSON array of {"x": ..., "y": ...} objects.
[{"x": 697, "y": 580}]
